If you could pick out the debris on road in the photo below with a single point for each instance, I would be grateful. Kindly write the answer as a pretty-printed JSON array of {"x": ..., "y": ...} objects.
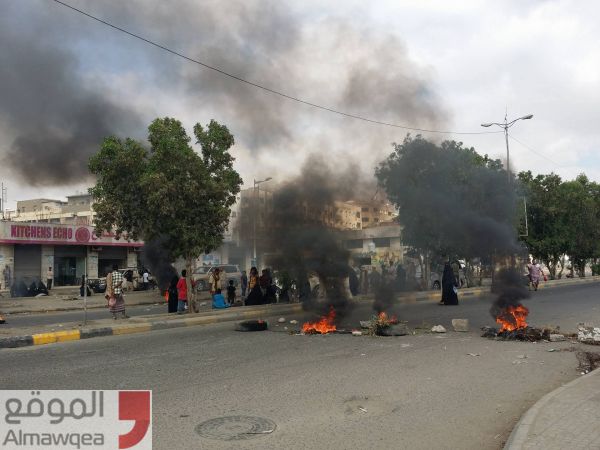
[
  {"x": 252, "y": 325},
  {"x": 557, "y": 338},
  {"x": 588, "y": 334},
  {"x": 588, "y": 361},
  {"x": 473, "y": 354},
  {"x": 438, "y": 329},
  {"x": 293, "y": 321},
  {"x": 356, "y": 333},
  {"x": 461, "y": 325},
  {"x": 281, "y": 320},
  {"x": 362, "y": 409}
]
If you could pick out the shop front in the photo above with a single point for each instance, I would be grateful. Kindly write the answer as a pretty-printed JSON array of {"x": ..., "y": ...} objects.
[{"x": 29, "y": 250}]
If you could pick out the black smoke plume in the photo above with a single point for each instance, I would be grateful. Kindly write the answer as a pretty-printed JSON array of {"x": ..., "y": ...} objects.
[
  {"x": 511, "y": 289},
  {"x": 68, "y": 82},
  {"x": 159, "y": 262},
  {"x": 302, "y": 236}
]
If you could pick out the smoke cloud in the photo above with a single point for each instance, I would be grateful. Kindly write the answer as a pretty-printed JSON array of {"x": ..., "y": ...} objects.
[{"x": 67, "y": 82}]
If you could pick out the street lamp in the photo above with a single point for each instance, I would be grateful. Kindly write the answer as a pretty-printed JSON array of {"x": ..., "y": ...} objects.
[
  {"x": 256, "y": 210},
  {"x": 505, "y": 126}
]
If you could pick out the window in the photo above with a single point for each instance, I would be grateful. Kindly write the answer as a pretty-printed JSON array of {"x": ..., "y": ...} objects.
[
  {"x": 354, "y": 243},
  {"x": 376, "y": 219},
  {"x": 374, "y": 210},
  {"x": 381, "y": 242},
  {"x": 365, "y": 219},
  {"x": 364, "y": 209}
]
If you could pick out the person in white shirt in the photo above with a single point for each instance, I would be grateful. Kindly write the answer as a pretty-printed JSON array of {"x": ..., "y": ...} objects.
[{"x": 145, "y": 279}]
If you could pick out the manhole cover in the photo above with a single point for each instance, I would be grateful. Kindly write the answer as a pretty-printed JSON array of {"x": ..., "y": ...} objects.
[{"x": 235, "y": 428}]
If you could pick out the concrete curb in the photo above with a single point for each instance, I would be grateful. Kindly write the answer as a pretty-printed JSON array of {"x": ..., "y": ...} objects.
[
  {"x": 518, "y": 437},
  {"x": 414, "y": 297},
  {"x": 150, "y": 325}
]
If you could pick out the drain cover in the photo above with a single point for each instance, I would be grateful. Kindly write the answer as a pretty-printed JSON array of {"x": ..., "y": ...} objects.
[{"x": 235, "y": 428}]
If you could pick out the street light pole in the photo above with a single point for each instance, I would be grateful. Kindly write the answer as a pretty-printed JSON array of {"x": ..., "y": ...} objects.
[
  {"x": 256, "y": 211},
  {"x": 505, "y": 126}
]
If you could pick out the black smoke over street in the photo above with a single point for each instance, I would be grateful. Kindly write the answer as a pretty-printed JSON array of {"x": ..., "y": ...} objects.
[{"x": 68, "y": 81}]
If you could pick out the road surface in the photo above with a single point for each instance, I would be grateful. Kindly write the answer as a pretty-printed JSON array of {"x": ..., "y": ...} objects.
[{"x": 453, "y": 391}]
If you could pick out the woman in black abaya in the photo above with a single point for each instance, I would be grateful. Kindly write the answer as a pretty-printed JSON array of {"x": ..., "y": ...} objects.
[{"x": 449, "y": 296}]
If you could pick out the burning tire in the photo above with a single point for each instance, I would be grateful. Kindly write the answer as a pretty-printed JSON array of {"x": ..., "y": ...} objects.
[{"x": 252, "y": 325}]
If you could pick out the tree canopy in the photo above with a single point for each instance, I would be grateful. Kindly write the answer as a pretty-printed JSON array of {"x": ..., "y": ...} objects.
[
  {"x": 167, "y": 192},
  {"x": 452, "y": 200},
  {"x": 563, "y": 218}
]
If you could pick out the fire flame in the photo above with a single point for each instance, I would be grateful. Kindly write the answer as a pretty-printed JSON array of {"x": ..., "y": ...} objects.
[
  {"x": 323, "y": 326},
  {"x": 383, "y": 317},
  {"x": 166, "y": 296},
  {"x": 513, "y": 318}
]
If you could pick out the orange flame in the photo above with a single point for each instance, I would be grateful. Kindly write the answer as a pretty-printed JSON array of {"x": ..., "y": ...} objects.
[
  {"x": 166, "y": 296},
  {"x": 323, "y": 326},
  {"x": 383, "y": 317},
  {"x": 512, "y": 318}
]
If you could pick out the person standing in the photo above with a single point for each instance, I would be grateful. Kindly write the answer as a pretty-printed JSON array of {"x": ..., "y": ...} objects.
[
  {"x": 145, "y": 279},
  {"x": 231, "y": 293},
  {"x": 116, "y": 302},
  {"x": 254, "y": 293},
  {"x": 182, "y": 294},
  {"x": 49, "y": 278},
  {"x": 244, "y": 284},
  {"x": 215, "y": 281},
  {"x": 173, "y": 295},
  {"x": 449, "y": 291}
]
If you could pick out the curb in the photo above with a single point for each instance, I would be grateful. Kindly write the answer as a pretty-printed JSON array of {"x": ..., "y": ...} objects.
[
  {"x": 518, "y": 437},
  {"x": 131, "y": 328}
]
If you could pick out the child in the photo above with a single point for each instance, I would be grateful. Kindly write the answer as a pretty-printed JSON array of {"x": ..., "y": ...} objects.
[{"x": 231, "y": 293}]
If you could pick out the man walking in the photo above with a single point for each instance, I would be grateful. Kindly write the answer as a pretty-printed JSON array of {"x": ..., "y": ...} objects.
[
  {"x": 116, "y": 304},
  {"x": 49, "y": 278}
]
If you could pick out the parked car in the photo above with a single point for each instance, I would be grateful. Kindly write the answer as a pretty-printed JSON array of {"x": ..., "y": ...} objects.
[
  {"x": 98, "y": 285},
  {"x": 201, "y": 276}
]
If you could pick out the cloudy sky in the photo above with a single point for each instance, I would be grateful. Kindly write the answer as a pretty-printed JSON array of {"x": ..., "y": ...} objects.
[{"x": 67, "y": 81}]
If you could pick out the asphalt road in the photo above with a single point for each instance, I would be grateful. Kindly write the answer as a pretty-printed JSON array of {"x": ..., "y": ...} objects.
[
  {"x": 453, "y": 391},
  {"x": 564, "y": 306}
]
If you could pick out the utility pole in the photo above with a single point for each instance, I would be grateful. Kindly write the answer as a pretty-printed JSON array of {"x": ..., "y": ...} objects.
[
  {"x": 256, "y": 211},
  {"x": 3, "y": 201},
  {"x": 505, "y": 126}
]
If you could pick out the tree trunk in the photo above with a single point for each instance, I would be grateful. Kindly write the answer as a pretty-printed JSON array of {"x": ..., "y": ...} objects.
[
  {"x": 190, "y": 288},
  {"x": 552, "y": 263},
  {"x": 562, "y": 266}
]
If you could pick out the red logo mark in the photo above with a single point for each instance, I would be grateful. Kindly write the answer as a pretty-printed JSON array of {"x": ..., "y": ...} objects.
[
  {"x": 82, "y": 235},
  {"x": 134, "y": 405}
]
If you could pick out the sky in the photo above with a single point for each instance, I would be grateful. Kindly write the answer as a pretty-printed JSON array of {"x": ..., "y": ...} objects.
[{"x": 67, "y": 81}]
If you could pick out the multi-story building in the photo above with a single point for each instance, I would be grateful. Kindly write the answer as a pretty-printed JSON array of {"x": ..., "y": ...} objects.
[
  {"x": 45, "y": 233},
  {"x": 377, "y": 213},
  {"x": 77, "y": 210}
]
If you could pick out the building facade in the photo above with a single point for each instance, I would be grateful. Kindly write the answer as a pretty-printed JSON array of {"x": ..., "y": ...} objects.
[{"x": 28, "y": 249}]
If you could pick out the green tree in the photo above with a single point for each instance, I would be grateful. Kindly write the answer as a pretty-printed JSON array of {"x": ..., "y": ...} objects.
[
  {"x": 581, "y": 207},
  {"x": 547, "y": 219},
  {"x": 452, "y": 200},
  {"x": 168, "y": 193}
]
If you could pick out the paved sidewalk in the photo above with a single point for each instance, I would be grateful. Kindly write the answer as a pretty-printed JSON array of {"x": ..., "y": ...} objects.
[
  {"x": 65, "y": 301},
  {"x": 108, "y": 327},
  {"x": 567, "y": 418}
]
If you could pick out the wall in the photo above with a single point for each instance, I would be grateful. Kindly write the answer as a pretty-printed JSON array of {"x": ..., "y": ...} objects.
[{"x": 7, "y": 258}]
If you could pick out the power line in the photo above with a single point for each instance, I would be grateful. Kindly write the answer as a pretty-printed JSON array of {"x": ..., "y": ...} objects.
[
  {"x": 259, "y": 86},
  {"x": 536, "y": 152}
]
